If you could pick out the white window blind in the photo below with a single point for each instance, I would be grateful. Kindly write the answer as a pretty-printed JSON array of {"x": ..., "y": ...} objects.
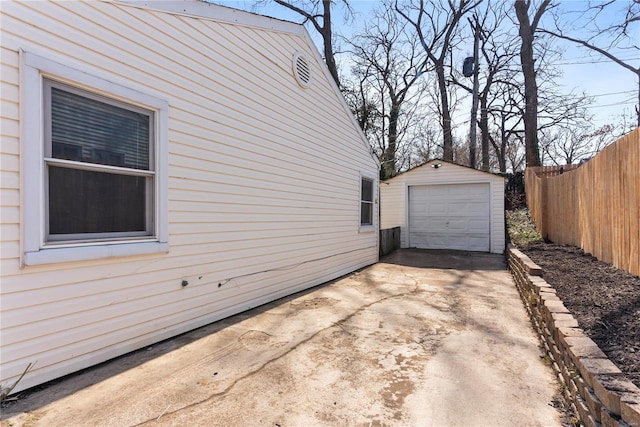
[{"x": 95, "y": 151}]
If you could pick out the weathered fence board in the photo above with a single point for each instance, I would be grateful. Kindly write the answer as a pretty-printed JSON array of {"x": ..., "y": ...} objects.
[{"x": 595, "y": 206}]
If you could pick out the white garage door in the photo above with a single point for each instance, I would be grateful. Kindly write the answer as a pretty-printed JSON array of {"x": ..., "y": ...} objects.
[{"x": 454, "y": 216}]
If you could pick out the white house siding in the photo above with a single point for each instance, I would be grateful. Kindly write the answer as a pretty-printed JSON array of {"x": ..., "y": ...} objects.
[
  {"x": 395, "y": 191},
  {"x": 264, "y": 176}
]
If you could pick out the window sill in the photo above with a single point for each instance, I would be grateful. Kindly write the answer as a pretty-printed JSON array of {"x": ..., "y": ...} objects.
[
  {"x": 84, "y": 253},
  {"x": 367, "y": 228}
]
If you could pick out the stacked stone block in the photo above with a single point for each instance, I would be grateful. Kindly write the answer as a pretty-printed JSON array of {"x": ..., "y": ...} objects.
[{"x": 596, "y": 389}]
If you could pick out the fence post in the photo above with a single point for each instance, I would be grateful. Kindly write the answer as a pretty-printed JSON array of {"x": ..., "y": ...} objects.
[{"x": 544, "y": 207}]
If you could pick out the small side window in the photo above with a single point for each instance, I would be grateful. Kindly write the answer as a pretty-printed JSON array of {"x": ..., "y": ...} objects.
[{"x": 366, "y": 202}]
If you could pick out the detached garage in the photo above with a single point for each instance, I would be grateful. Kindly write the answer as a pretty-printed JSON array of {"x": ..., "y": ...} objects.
[{"x": 440, "y": 205}]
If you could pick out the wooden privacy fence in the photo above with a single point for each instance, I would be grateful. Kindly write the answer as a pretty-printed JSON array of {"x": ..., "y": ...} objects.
[{"x": 595, "y": 206}]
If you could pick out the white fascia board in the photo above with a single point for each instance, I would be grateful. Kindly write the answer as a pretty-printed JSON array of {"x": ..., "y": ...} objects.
[{"x": 216, "y": 12}]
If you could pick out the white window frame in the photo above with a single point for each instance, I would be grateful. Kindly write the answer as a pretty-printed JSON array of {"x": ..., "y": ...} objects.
[
  {"x": 374, "y": 203},
  {"x": 35, "y": 248}
]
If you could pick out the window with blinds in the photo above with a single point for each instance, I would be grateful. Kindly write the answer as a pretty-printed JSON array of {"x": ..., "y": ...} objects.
[
  {"x": 366, "y": 202},
  {"x": 99, "y": 166}
]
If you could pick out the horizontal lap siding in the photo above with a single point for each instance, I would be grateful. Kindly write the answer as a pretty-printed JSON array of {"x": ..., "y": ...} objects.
[
  {"x": 392, "y": 206},
  {"x": 10, "y": 160},
  {"x": 263, "y": 184},
  {"x": 498, "y": 230}
]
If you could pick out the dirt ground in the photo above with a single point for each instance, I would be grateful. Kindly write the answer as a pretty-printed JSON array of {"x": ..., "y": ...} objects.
[{"x": 604, "y": 300}]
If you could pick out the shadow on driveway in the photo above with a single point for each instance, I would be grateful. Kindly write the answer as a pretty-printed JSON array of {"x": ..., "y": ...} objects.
[
  {"x": 421, "y": 338},
  {"x": 453, "y": 260}
]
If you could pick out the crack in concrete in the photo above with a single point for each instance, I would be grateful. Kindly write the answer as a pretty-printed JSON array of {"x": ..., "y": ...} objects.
[{"x": 338, "y": 323}]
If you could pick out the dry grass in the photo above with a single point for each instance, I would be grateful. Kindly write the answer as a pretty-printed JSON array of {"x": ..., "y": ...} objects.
[{"x": 521, "y": 227}]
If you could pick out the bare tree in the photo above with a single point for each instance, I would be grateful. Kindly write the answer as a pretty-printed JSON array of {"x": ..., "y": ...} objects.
[
  {"x": 436, "y": 23},
  {"x": 556, "y": 109},
  {"x": 393, "y": 58},
  {"x": 388, "y": 62},
  {"x": 361, "y": 98},
  {"x": 527, "y": 29},
  {"x": 425, "y": 145},
  {"x": 506, "y": 114},
  {"x": 501, "y": 93},
  {"x": 566, "y": 145},
  {"x": 506, "y": 107},
  {"x": 497, "y": 52},
  {"x": 515, "y": 155},
  {"x": 622, "y": 35}
]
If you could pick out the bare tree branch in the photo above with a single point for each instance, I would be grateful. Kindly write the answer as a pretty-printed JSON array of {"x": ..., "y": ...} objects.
[
  {"x": 436, "y": 25},
  {"x": 594, "y": 48}
]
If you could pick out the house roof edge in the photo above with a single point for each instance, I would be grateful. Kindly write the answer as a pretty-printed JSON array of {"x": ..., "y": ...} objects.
[
  {"x": 216, "y": 12},
  {"x": 443, "y": 161}
]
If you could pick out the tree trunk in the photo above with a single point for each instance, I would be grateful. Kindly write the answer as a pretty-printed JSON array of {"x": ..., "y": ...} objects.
[
  {"x": 389, "y": 165},
  {"x": 530, "y": 85},
  {"x": 447, "y": 146},
  {"x": 504, "y": 140},
  {"x": 484, "y": 129},
  {"x": 474, "y": 101},
  {"x": 327, "y": 34}
]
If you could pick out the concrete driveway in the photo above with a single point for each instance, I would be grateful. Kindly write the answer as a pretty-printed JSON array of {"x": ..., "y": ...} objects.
[{"x": 421, "y": 338}]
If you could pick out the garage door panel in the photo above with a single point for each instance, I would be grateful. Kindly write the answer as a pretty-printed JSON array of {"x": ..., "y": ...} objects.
[
  {"x": 456, "y": 225},
  {"x": 436, "y": 239},
  {"x": 478, "y": 209},
  {"x": 467, "y": 208},
  {"x": 458, "y": 242},
  {"x": 430, "y": 224},
  {"x": 437, "y": 210},
  {"x": 454, "y": 216},
  {"x": 459, "y": 207},
  {"x": 478, "y": 243},
  {"x": 439, "y": 192},
  {"x": 437, "y": 207},
  {"x": 419, "y": 206},
  {"x": 477, "y": 226}
]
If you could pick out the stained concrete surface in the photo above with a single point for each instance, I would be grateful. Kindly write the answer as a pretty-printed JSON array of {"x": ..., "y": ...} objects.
[{"x": 422, "y": 338}]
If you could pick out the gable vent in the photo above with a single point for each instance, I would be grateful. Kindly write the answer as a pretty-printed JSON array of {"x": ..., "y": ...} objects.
[{"x": 302, "y": 69}]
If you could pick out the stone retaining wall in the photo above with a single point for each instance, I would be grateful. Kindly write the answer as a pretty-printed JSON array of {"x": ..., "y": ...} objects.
[{"x": 596, "y": 389}]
